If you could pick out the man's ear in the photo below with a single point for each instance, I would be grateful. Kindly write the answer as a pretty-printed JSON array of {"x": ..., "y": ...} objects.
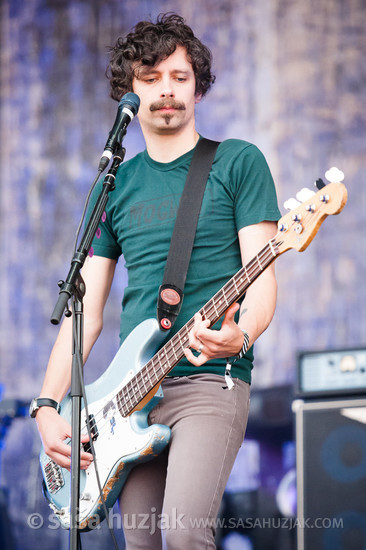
[{"x": 198, "y": 98}]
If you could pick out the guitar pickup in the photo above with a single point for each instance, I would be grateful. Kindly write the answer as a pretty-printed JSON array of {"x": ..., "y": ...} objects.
[
  {"x": 86, "y": 447},
  {"x": 93, "y": 427},
  {"x": 94, "y": 432}
]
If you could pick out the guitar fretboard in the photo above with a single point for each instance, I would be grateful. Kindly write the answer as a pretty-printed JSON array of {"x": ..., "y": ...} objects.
[{"x": 155, "y": 370}]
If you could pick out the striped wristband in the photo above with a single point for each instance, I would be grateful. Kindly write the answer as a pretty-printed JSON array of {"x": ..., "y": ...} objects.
[
  {"x": 245, "y": 347},
  {"x": 229, "y": 363}
]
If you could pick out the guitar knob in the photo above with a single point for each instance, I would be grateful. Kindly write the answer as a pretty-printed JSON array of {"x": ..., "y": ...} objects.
[
  {"x": 296, "y": 217},
  {"x": 310, "y": 208},
  {"x": 298, "y": 228},
  {"x": 283, "y": 227}
]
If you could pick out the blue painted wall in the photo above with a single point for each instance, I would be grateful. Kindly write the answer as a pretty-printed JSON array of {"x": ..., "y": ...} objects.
[{"x": 290, "y": 77}]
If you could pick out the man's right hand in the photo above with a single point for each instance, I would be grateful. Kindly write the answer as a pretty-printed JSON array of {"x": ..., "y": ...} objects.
[{"x": 54, "y": 430}]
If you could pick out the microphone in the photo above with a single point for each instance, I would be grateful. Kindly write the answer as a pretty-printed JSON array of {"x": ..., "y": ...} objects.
[{"x": 127, "y": 109}]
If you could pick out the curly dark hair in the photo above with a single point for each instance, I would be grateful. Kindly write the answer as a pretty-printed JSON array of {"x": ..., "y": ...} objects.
[{"x": 148, "y": 44}]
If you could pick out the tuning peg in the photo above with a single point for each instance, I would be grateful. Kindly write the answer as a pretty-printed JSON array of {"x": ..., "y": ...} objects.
[
  {"x": 304, "y": 194},
  {"x": 334, "y": 175},
  {"x": 290, "y": 204}
]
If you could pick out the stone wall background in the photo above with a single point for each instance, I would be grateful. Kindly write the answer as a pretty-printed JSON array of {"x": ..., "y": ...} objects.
[{"x": 291, "y": 78}]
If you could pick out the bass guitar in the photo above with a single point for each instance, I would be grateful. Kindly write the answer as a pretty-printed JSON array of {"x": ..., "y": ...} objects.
[{"x": 120, "y": 400}]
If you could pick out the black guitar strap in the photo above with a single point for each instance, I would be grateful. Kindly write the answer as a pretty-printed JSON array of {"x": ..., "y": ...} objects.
[{"x": 170, "y": 296}]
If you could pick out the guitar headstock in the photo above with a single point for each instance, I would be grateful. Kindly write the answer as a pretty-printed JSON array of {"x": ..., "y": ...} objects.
[{"x": 298, "y": 228}]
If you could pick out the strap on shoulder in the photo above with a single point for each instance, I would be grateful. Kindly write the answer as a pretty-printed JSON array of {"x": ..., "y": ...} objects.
[{"x": 170, "y": 296}]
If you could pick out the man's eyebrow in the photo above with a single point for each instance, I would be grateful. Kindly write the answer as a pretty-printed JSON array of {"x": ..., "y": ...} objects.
[
  {"x": 144, "y": 71},
  {"x": 181, "y": 71}
]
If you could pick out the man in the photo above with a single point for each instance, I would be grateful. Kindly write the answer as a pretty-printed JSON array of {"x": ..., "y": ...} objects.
[{"x": 170, "y": 70}]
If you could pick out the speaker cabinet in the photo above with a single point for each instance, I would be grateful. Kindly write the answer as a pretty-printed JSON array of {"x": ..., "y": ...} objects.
[{"x": 331, "y": 474}]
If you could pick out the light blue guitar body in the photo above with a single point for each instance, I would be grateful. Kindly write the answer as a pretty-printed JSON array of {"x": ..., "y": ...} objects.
[{"x": 120, "y": 442}]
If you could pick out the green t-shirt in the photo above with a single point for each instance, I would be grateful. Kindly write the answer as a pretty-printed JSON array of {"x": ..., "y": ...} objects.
[{"x": 140, "y": 216}]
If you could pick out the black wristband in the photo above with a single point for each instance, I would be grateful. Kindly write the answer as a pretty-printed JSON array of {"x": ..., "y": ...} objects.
[{"x": 42, "y": 402}]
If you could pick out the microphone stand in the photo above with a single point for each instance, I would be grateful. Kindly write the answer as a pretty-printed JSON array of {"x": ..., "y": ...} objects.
[{"x": 74, "y": 287}]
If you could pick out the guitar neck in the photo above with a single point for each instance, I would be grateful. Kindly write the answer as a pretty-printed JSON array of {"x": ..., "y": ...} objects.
[{"x": 155, "y": 370}]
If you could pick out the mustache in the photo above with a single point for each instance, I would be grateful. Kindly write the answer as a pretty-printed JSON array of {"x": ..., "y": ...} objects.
[{"x": 163, "y": 103}]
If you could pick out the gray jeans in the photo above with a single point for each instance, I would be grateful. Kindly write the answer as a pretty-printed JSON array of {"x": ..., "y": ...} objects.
[{"x": 177, "y": 495}]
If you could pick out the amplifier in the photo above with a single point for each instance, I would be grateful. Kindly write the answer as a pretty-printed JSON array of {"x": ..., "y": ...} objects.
[
  {"x": 331, "y": 473},
  {"x": 331, "y": 372}
]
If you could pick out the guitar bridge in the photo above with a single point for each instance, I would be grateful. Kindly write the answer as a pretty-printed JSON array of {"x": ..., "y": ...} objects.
[{"x": 54, "y": 478}]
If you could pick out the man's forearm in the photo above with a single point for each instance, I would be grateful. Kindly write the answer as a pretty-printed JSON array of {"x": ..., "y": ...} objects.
[
  {"x": 58, "y": 375},
  {"x": 258, "y": 307}
]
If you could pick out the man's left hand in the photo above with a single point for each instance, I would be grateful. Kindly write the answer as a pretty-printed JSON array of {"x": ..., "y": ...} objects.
[{"x": 211, "y": 344}]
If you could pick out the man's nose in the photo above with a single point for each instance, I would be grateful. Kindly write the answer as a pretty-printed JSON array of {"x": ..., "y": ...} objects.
[{"x": 166, "y": 88}]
